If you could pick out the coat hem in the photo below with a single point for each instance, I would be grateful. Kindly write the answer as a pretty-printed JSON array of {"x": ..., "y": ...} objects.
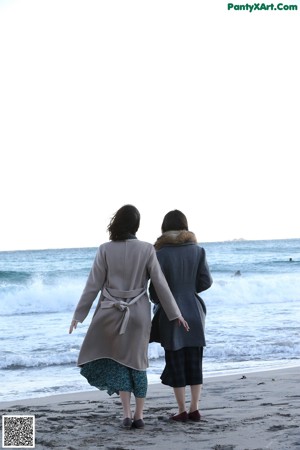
[{"x": 113, "y": 359}]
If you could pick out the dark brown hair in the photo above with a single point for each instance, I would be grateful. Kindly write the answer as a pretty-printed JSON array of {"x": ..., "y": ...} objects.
[
  {"x": 124, "y": 223},
  {"x": 174, "y": 220}
]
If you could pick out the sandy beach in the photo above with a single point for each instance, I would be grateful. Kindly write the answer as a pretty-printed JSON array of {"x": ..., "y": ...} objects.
[{"x": 258, "y": 410}]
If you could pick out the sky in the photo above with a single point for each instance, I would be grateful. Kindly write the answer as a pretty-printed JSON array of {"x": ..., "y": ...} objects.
[{"x": 163, "y": 104}]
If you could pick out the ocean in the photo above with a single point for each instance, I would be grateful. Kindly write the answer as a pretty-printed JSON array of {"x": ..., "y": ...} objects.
[{"x": 253, "y": 314}]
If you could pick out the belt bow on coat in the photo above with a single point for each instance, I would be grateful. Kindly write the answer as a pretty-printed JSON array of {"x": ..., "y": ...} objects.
[{"x": 112, "y": 299}]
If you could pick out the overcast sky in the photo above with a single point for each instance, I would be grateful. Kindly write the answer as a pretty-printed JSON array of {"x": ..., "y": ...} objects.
[{"x": 162, "y": 104}]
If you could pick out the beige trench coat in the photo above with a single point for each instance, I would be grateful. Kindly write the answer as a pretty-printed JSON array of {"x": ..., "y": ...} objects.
[{"x": 121, "y": 324}]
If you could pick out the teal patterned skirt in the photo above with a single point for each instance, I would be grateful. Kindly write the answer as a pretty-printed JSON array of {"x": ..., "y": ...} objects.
[{"x": 107, "y": 374}]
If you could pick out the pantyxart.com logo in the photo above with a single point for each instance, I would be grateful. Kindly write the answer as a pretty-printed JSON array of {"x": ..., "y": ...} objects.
[{"x": 261, "y": 7}]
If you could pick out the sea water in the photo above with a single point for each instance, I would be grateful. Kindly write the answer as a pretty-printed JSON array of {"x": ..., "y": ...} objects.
[{"x": 252, "y": 323}]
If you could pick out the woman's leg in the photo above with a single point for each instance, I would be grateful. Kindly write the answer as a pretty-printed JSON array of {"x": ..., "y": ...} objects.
[
  {"x": 125, "y": 399},
  {"x": 195, "y": 397},
  {"x": 179, "y": 393},
  {"x": 173, "y": 374},
  {"x": 194, "y": 357},
  {"x": 140, "y": 384},
  {"x": 139, "y": 408}
]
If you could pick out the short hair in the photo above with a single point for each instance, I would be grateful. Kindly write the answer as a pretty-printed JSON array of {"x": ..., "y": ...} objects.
[
  {"x": 125, "y": 222},
  {"x": 174, "y": 220}
]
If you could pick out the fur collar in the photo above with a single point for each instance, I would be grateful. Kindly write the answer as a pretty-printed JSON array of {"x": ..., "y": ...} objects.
[{"x": 175, "y": 238}]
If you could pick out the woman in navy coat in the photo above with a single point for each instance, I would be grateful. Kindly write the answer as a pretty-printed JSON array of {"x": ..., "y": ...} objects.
[{"x": 184, "y": 265}]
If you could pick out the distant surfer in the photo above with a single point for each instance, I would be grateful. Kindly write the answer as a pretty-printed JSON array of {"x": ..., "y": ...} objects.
[{"x": 237, "y": 273}]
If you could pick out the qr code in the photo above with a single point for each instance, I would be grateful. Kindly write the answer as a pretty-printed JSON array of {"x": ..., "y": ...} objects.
[{"x": 18, "y": 431}]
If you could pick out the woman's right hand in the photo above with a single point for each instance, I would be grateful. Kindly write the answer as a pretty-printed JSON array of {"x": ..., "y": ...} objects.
[
  {"x": 73, "y": 326},
  {"x": 183, "y": 322}
]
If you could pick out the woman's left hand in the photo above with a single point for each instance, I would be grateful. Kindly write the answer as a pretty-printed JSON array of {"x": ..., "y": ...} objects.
[{"x": 183, "y": 322}]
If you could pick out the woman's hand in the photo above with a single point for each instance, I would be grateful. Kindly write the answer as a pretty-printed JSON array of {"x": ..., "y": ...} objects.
[
  {"x": 183, "y": 322},
  {"x": 73, "y": 326}
]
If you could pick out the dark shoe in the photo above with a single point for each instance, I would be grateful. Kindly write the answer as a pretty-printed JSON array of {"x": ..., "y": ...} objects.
[
  {"x": 138, "y": 423},
  {"x": 182, "y": 417},
  {"x": 127, "y": 423},
  {"x": 195, "y": 416}
]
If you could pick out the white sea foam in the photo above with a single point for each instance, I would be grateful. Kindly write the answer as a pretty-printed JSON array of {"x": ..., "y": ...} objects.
[
  {"x": 39, "y": 297},
  {"x": 62, "y": 295},
  {"x": 253, "y": 289}
]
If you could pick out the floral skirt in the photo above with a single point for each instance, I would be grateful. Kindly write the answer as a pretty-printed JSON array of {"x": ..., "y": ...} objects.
[{"x": 107, "y": 374}]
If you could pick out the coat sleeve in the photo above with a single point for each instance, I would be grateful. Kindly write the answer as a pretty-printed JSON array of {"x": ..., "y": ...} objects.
[
  {"x": 161, "y": 288},
  {"x": 94, "y": 284},
  {"x": 204, "y": 279},
  {"x": 152, "y": 294}
]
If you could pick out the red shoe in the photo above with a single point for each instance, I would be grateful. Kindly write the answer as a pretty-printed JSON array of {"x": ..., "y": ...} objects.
[
  {"x": 195, "y": 416},
  {"x": 182, "y": 417}
]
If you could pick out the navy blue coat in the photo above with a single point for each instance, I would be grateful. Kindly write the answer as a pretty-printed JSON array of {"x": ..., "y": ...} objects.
[{"x": 184, "y": 265}]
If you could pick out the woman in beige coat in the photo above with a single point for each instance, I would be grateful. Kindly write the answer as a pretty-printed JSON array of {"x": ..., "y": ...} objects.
[{"x": 113, "y": 355}]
